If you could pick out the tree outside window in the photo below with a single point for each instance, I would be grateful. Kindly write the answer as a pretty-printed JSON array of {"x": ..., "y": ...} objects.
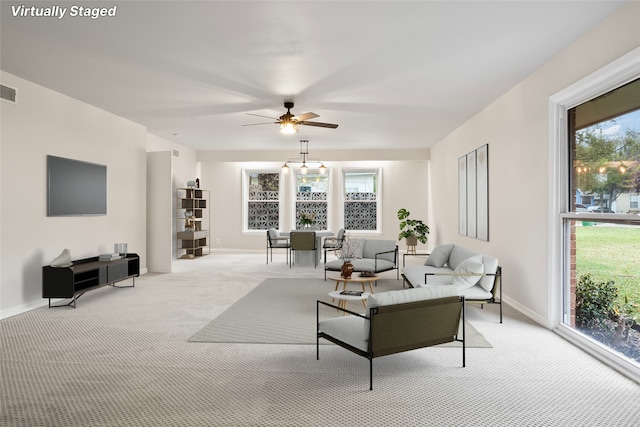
[{"x": 263, "y": 204}]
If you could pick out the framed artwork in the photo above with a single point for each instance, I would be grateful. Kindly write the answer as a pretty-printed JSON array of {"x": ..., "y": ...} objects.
[
  {"x": 462, "y": 195},
  {"x": 482, "y": 192},
  {"x": 473, "y": 194}
]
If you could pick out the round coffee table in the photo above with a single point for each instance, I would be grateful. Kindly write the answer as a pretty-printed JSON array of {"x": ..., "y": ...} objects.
[
  {"x": 354, "y": 279},
  {"x": 344, "y": 299}
]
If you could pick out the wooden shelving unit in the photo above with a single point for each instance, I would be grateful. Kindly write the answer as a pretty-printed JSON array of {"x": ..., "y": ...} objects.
[{"x": 192, "y": 223}]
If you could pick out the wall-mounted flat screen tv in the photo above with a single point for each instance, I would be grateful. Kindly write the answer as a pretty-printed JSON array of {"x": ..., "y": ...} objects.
[{"x": 75, "y": 188}]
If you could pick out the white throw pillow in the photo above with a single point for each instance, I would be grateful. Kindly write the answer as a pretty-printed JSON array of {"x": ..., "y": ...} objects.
[
  {"x": 439, "y": 256},
  {"x": 471, "y": 265}
]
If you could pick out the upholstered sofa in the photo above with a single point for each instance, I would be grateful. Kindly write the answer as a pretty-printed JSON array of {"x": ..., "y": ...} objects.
[
  {"x": 475, "y": 276},
  {"x": 371, "y": 255},
  {"x": 396, "y": 321}
]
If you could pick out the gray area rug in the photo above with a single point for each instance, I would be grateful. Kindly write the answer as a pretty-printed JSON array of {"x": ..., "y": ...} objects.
[{"x": 283, "y": 311}]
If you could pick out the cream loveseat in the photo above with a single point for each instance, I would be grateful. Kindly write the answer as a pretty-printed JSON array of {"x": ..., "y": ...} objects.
[
  {"x": 475, "y": 276},
  {"x": 396, "y": 321},
  {"x": 372, "y": 255}
]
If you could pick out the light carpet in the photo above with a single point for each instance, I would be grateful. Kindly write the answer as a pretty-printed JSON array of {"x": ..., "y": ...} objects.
[{"x": 283, "y": 311}]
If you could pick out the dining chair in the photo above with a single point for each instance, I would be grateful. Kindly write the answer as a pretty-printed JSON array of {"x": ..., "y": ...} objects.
[
  {"x": 274, "y": 241},
  {"x": 303, "y": 241},
  {"x": 332, "y": 244}
]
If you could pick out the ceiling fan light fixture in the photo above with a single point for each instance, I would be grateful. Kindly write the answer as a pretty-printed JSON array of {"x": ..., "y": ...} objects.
[{"x": 288, "y": 128}]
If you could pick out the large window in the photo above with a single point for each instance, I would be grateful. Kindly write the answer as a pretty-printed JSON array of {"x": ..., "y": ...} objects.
[
  {"x": 263, "y": 200},
  {"x": 602, "y": 227},
  {"x": 312, "y": 199},
  {"x": 361, "y": 200}
]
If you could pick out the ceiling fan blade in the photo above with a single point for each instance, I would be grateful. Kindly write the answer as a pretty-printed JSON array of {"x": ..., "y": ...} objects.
[
  {"x": 318, "y": 124},
  {"x": 263, "y": 123},
  {"x": 260, "y": 115},
  {"x": 305, "y": 116}
]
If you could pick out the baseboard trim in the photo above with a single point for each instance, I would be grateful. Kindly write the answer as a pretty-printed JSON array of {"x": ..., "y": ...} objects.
[
  {"x": 14, "y": 311},
  {"x": 527, "y": 312}
]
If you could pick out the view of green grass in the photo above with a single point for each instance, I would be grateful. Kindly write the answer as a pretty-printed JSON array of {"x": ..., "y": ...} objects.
[{"x": 611, "y": 253}]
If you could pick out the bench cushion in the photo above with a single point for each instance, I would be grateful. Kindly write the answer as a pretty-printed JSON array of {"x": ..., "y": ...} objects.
[
  {"x": 402, "y": 296},
  {"x": 347, "y": 329}
]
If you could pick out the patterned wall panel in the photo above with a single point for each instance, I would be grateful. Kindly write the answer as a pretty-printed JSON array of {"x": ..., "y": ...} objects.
[
  {"x": 263, "y": 215},
  {"x": 360, "y": 215},
  {"x": 257, "y": 194},
  {"x": 360, "y": 196},
  {"x": 312, "y": 195}
]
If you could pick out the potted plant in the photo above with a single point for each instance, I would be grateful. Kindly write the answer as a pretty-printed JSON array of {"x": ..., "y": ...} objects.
[{"x": 413, "y": 230}]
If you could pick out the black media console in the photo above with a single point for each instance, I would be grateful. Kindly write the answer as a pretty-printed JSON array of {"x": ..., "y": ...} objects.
[{"x": 86, "y": 275}]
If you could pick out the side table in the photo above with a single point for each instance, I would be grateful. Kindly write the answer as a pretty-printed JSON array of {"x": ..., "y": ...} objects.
[
  {"x": 354, "y": 279},
  {"x": 344, "y": 299}
]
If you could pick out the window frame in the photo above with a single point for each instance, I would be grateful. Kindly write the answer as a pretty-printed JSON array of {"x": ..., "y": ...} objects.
[
  {"x": 245, "y": 197},
  {"x": 618, "y": 73},
  {"x": 343, "y": 200},
  {"x": 294, "y": 195}
]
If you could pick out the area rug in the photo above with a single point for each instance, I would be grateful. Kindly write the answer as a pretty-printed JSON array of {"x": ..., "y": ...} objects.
[{"x": 283, "y": 311}]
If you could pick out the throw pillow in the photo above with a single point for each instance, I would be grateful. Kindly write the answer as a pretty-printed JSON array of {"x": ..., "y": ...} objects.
[
  {"x": 471, "y": 265},
  {"x": 439, "y": 256},
  {"x": 354, "y": 248}
]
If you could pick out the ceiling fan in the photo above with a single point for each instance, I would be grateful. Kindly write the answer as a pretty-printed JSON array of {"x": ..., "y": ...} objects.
[{"x": 289, "y": 123}]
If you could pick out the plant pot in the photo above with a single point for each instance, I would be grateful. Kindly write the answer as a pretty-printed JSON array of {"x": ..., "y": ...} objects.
[
  {"x": 346, "y": 270},
  {"x": 412, "y": 241}
]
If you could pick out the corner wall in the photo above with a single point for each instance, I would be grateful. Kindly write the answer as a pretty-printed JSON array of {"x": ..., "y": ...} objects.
[
  {"x": 45, "y": 122},
  {"x": 516, "y": 127}
]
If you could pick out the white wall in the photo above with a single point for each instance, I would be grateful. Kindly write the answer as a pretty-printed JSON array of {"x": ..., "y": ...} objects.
[
  {"x": 404, "y": 176},
  {"x": 45, "y": 122},
  {"x": 179, "y": 164},
  {"x": 516, "y": 128}
]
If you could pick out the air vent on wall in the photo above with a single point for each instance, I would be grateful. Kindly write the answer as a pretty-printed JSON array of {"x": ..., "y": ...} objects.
[{"x": 7, "y": 93}]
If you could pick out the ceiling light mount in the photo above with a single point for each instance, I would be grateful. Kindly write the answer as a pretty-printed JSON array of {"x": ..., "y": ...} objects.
[{"x": 303, "y": 160}]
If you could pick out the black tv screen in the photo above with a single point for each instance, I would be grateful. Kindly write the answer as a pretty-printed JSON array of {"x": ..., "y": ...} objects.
[{"x": 75, "y": 188}]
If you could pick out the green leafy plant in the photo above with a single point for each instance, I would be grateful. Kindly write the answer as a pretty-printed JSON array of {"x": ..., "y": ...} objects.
[
  {"x": 595, "y": 303},
  {"x": 412, "y": 227}
]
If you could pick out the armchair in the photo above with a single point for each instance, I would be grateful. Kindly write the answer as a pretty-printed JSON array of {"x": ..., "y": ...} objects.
[{"x": 396, "y": 321}]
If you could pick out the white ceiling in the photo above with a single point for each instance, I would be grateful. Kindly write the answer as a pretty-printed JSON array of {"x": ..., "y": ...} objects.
[{"x": 397, "y": 74}]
